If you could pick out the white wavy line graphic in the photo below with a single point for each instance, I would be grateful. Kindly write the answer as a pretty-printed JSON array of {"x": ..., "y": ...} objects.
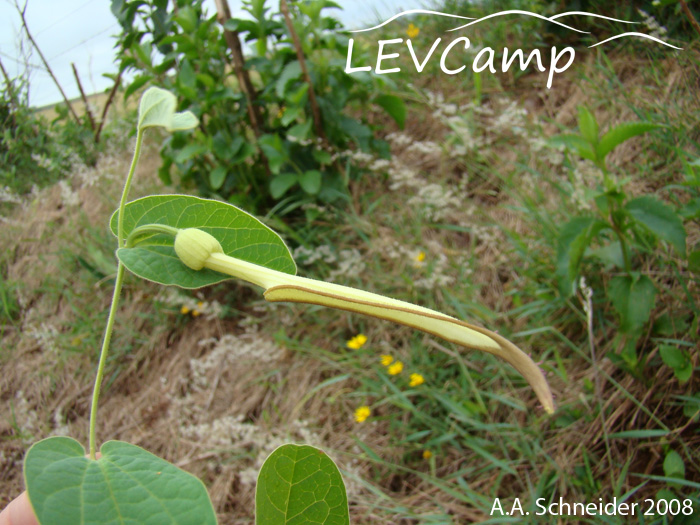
[
  {"x": 518, "y": 12},
  {"x": 411, "y": 12},
  {"x": 552, "y": 19},
  {"x": 586, "y": 13},
  {"x": 637, "y": 34}
]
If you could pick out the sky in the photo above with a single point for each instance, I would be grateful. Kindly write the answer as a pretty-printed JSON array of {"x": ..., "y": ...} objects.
[{"x": 82, "y": 32}]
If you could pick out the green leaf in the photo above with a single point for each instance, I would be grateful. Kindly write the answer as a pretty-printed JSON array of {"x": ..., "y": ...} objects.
[
  {"x": 291, "y": 71},
  {"x": 694, "y": 261},
  {"x": 574, "y": 237},
  {"x": 126, "y": 485},
  {"x": 217, "y": 177},
  {"x": 310, "y": 182},
  {"x": 394, "y": 106},
  {"x": 576, "y": 143},
  {"x": 633, "y": 299},
  {"x": 299, "y": 484},
  {"x": 280, "y": 184},
  {"x": 241, "y": 235},
  {"x": 620, "y": 134},
  {"x": 673, "y": 465},
  {"x": 660, "y": 219},
  {"x": 678, "y": 360},
  {"x": 137, "y": 84},
  {"x": 157, "y": 108},
  {"x": 272, "y": 147},
  {"x": 189, "y": 151},
  {"x": 588, "y": 125}
]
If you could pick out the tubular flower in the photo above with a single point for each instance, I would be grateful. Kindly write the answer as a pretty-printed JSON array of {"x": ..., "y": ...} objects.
[
  {"x": 198, "y": 249},
  {"x": 416, "y": 379},
  {"x": 362, "y": 413}
]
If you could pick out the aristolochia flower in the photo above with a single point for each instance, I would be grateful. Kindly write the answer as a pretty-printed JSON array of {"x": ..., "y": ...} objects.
[
  {"x": 362, "y": 413},
  {"x": 198, "y": 249}
]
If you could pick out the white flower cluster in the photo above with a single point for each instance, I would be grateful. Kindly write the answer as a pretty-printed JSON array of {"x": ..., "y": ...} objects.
[
  {"x": 231, "y": 350},
  {"x": 233, "y": 433},
  {"x": 435, "y": 201},
  {"x": 69, "y": 197},
  {"x": 349, "y": 262},
  {"x": 655, "y": 29},
  {"x": 6, "y": 195},
  {"x": 25, "y": 418}
]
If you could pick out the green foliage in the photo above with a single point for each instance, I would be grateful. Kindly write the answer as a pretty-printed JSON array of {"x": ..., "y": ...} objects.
[
  {"x": 239, "y": 233},
  {"x": 125, "y": 485},
  {"x": 32, "y": 151},
  {"x": 182, "y": 47},
  {"x": 300, "y": 484}
]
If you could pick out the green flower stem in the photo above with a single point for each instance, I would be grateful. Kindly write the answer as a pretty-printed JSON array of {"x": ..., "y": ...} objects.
[
  {"x": 149, "y": 228},
  {"x": 127, "y": 185},
  {"x": 197, "y": 249},
  {"x": 115, "y": 300}
]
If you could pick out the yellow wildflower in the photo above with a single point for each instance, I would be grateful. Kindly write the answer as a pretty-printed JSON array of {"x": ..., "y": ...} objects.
[
  {"x": 387, "y": 360},
  {"x": 427, "y": 454},
  {"x": 184, "y": 310},
  {"x": 396, "y": 368},
  {"x": 200, "y": 305},
  {"x": 356, "y": 342},
  {"x": 416, "y": 379},
  {"x": 362, "y": 413},
  {"x": 195, "y": 313},
  {"x": 412, "y": 31},
  {"x": 420, "y": 257},
  {"x": 280, "y": 113}
]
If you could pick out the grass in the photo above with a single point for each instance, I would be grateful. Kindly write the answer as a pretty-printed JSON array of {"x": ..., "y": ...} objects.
[{"x": 216, "y": 393}]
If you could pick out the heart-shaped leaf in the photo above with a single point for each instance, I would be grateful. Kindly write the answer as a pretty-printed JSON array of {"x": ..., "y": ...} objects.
[
  {"x": 126, "y": 485},
  {"x": 240, "y": 234},
  {"x": 300, "y": 484}
]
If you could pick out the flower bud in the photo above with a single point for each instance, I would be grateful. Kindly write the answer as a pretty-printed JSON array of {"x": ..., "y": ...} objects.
[{"x": 194, "y": 247}]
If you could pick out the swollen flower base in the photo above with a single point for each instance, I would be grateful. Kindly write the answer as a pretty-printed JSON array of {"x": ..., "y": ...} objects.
[{"x": 198, "y": 249}]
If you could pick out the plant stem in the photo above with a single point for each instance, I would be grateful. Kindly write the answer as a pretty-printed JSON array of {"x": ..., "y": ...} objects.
[
  {"x": 103, "y": 356},
  {"x": 127, "y": 185},
  {"x": 115, "y": 299}
]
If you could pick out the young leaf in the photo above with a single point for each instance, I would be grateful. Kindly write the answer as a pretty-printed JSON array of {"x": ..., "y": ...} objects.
[
  {"x": 125, "y": 485},
  {"x": 633, "y": 299},
  {"x": 660, "y": 219},
  {"x": 588, "y": 125},
  {"x": 154, "y": 259},
  {"x": 157, "y": 108},
  {"x": 575, "y": 143},
  {"x": 574, "y": 237},
  {"x": 673, "y": 465},
  {"x": 310, "y": 182},
  {"x": 620, "y": 134},
  {"x": 217, "y": 177},
  {"x": 678, "y": 360},
  {"x": 394, "y": 106},
  {"x": 280, "y": 184},
  {"x": 300, "y": 484}
]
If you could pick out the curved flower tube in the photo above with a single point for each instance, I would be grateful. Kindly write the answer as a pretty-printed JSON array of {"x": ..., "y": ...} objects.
[{"x": 198, "y": 249}]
